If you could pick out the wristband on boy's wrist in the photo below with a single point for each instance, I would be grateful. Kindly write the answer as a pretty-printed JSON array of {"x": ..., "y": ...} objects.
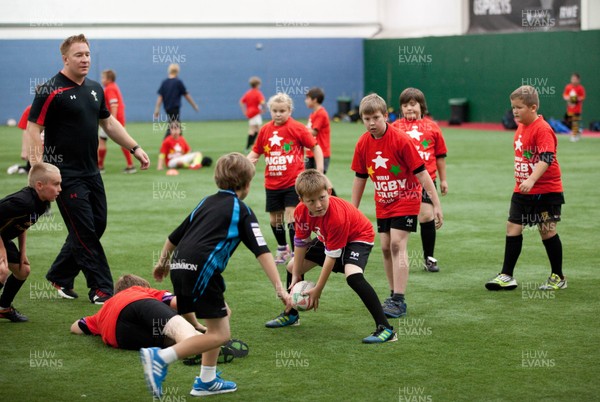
[{"x": 135, "y": 148}]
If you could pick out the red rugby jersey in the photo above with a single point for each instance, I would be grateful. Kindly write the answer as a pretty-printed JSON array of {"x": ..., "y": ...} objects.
[
  {"x": 390, "y": 162},
  {"x": 283, "y": 147},
  {"x": 531, "y": 141}
]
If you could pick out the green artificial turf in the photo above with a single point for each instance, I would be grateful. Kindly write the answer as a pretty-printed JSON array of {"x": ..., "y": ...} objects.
[{"x": 459, "y": 342}]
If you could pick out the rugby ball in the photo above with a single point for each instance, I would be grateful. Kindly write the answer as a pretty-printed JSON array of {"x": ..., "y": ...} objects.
[{"x": 300, "y": 301}]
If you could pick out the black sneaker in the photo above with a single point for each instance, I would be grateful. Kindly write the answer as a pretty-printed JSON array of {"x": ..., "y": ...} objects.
[
  {"x": 12, "y": 315},
  {"x": 431, "y": 265},
  {"x": 65, "y": 293},
  {"x": 100, "y": 297}
]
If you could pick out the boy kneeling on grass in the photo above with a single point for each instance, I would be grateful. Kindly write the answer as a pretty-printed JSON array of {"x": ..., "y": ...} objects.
[{"x": 139, "y": 316}]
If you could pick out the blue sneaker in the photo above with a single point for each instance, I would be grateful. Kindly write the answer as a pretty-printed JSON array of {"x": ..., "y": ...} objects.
[
  {"x": 381, "y": 335},
  {"x": 283, "y": 320},
  {"x": 214, "y": 387},
  {"x": 155, "y": 370},
  {"x": 393, "y": 308}
]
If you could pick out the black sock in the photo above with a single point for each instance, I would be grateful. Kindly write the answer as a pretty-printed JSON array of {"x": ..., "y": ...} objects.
[
  {"x": 553, "y": 247},
  {"x": 250, "y": 141},
  {"x": 292, "y": 232},
  {"x": 11, "y": 288},
  {"x": 398, "y": 297},
  {"x": 363, "y": 289},
  {"x": 279, "y": 233},
  {"x": 512, "y": 250},
  {"x": 428, "y": 238}
]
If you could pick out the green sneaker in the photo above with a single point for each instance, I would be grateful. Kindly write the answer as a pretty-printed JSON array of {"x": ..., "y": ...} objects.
[
  {"x": 502, "y": 282},
  {"x": 283, "y": 320},
  {"x": 381, "y": 335},
  {"x": 554, "y": 283}
]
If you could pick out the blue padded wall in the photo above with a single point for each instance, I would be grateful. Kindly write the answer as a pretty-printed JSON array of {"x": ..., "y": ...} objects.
[{"x": 215, "y": 71}]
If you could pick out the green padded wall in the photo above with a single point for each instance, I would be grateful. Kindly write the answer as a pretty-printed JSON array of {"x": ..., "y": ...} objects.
[{"x": 485, "y": 69}]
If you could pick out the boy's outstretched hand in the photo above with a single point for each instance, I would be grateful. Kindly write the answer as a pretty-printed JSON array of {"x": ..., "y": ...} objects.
[
  {"x": 314, "y": 295},
  {"x": 160, "y": 272}
]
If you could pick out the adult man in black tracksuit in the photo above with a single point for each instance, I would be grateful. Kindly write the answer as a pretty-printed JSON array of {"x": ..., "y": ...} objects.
[{"x": 69, "y": 107}]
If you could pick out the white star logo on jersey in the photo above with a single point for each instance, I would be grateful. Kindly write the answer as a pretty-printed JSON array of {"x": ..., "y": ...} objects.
[
  {"x": 518, "y": 144},
  {"x": 380, "y": 161},
  {"x": 275, "y": 139},
  {"x": 414, "y": 133},
  {"x": 94, "y": 93}
]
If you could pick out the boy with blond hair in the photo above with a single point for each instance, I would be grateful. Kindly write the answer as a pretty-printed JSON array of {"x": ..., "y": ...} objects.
[
  {"x": 196, "y": 254},
  {"x": 282, "y": 141},
  {"x": 538, "y": 193},
  {"x": 343, "y": 242},
  {"x": 169, "y": 95},
  {"x": 388, "y": 157},
  {"x": 18, "y": 212}
]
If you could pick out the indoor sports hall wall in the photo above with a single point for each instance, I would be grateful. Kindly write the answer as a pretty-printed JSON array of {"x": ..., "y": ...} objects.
[
  {"x": 215, "y": 71},
  {"x": 485, "y": 69}
]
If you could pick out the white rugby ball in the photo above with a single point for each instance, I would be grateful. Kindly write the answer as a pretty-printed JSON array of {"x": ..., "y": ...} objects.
[{"x": 300, "y": 301}]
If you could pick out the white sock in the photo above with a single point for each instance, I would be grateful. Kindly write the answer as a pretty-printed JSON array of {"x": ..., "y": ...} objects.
[
  {"x": 208, "y": 373},
  {"x": 168, "y": 355}
]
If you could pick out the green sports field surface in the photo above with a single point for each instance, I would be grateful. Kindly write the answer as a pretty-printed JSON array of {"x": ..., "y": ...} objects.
[{"x": 459, "y": 341}]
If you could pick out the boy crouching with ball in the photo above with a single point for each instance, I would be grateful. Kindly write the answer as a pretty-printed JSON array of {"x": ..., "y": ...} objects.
[
  {"x": 343, "y": 244},
  {"x": 196, "y": 253}
]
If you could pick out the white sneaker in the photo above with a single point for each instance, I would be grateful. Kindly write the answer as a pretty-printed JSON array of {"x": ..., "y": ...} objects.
[{"x": 13, "y": 169}]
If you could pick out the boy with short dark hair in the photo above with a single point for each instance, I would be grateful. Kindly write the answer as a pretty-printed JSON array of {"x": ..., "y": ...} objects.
[
  {"x": 429, "y": 142},
  {"x": 196, "y": 253},
  {"x": 251, "y": 104},
  {"x": 319, "y": 126},
  {"x": 343, "y": 243},
  {"x": 18, "y": 212},
  {"x": 538, "y": 193},
  {"x": 389, "y": 158}
]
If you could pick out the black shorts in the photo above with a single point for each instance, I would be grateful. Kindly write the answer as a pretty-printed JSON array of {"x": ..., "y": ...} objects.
[
  {"x": 425, "y": 196},
  {"x": 309, "y": 163},
  {"x": 141, "y": 324},
  {"x": 354, "y": 253},
  {"x": 278, "y": 200},
  {"x": 211, "y": 304},
  {"x": 13, "y": 256},
  {"x": 528, "y": 209},
  {"x": 407, "y": 223}
]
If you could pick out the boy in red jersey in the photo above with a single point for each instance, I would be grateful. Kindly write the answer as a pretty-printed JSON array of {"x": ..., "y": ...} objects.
[
  {"x": 116, "y": 106},
  {"x": 282, "y": 141},
  {"x": 175, "y": 152},
  {"x": 251, "y": 104},
  {"x": 538, "y": 193},
  {"x": 429, "y": 142},
  {"x": 343, "y": 243},
  {"x": 137, "y": 316},
  {"x": 574, "y": 94},
  {"x": 318, "y": 124},
  {"x": 22, "y": 124},
  {"x": 390, "y": 159}
]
